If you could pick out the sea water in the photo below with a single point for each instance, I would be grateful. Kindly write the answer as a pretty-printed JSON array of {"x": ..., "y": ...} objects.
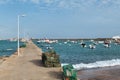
[
  {"x": 7, "y": 47},
  {"x": 82, "y": 58}
]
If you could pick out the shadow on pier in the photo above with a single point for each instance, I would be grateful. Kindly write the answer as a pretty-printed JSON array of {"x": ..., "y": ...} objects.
[
  {"x": 56, "y": 74},
  {"x": 37, "y": 62}
]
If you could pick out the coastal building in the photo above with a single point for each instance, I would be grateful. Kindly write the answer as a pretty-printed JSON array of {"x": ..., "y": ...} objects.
[{"x": 116, "y": 37}]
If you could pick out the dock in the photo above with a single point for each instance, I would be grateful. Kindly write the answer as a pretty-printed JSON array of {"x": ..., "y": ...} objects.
[{"x": 28, "y": 66}]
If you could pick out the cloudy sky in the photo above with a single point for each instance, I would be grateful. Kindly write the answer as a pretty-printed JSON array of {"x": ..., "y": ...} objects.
[{"x": 60, "y": 18}]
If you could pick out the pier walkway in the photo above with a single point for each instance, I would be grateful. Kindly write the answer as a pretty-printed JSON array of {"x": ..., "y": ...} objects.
[{"x": 27, "y": 66}]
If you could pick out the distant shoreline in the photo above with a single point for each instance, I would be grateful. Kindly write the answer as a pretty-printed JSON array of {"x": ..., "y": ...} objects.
[{"x": 76, "y": 39}]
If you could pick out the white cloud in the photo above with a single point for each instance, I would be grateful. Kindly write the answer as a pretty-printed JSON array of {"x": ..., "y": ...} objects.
[
  {"x": 71, "y": 3},
  {"x": 4, "y": 1},
  {"x": 49, "y": 1},
  {"x": 63, "y": 4},
  {"x": 76, "y": 3},
  {"x": 23, "y": 0},
  {"x": 36, "y": 1},
  {"x": 89, "y": 3}
]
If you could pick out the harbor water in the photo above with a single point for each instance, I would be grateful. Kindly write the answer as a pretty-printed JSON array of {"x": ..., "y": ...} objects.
[
  {"x": 8, "y": 47},
  {"x": 71, "y": 52}
]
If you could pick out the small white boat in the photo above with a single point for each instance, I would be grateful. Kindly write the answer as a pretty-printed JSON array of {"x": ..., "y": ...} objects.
[
  {"x": 92, "y": 46},
  {"x": 106, "y": 45},
  {"x": 100, "y": 42},
  {"x": 49, "y": 47},
  {"x": 65, "y": 42}
]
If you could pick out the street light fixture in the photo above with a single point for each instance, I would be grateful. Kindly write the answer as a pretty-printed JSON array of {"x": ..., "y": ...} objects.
[{"x": 19, "y": 31}]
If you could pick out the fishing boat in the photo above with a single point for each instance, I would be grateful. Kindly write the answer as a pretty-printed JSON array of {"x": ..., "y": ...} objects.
[
  {"x": 83, "y": 45},
  {"x": 92, "y": 46},
  {"x": 107, "y": 43}
]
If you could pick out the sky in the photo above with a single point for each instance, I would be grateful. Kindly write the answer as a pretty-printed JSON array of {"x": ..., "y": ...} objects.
[{"x": 60, "y": 18}]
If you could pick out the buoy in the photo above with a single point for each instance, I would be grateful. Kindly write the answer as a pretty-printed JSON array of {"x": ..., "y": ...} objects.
[{"x": 67, "y": 78}]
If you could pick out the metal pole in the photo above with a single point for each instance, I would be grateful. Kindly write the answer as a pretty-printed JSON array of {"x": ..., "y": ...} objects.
[{"x": 18, "y": 35}]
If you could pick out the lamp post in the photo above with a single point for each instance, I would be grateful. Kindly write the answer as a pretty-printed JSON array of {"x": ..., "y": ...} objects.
[{"x": 19, "y": 32}]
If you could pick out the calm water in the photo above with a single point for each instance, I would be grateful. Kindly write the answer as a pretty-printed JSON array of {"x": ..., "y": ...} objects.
[
  {"x": 8, "y": 47},
  {"x": 74, "y": 53}
]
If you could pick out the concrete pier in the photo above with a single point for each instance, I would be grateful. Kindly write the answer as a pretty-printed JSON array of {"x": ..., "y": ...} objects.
[{"x": 28, "y": 66}]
